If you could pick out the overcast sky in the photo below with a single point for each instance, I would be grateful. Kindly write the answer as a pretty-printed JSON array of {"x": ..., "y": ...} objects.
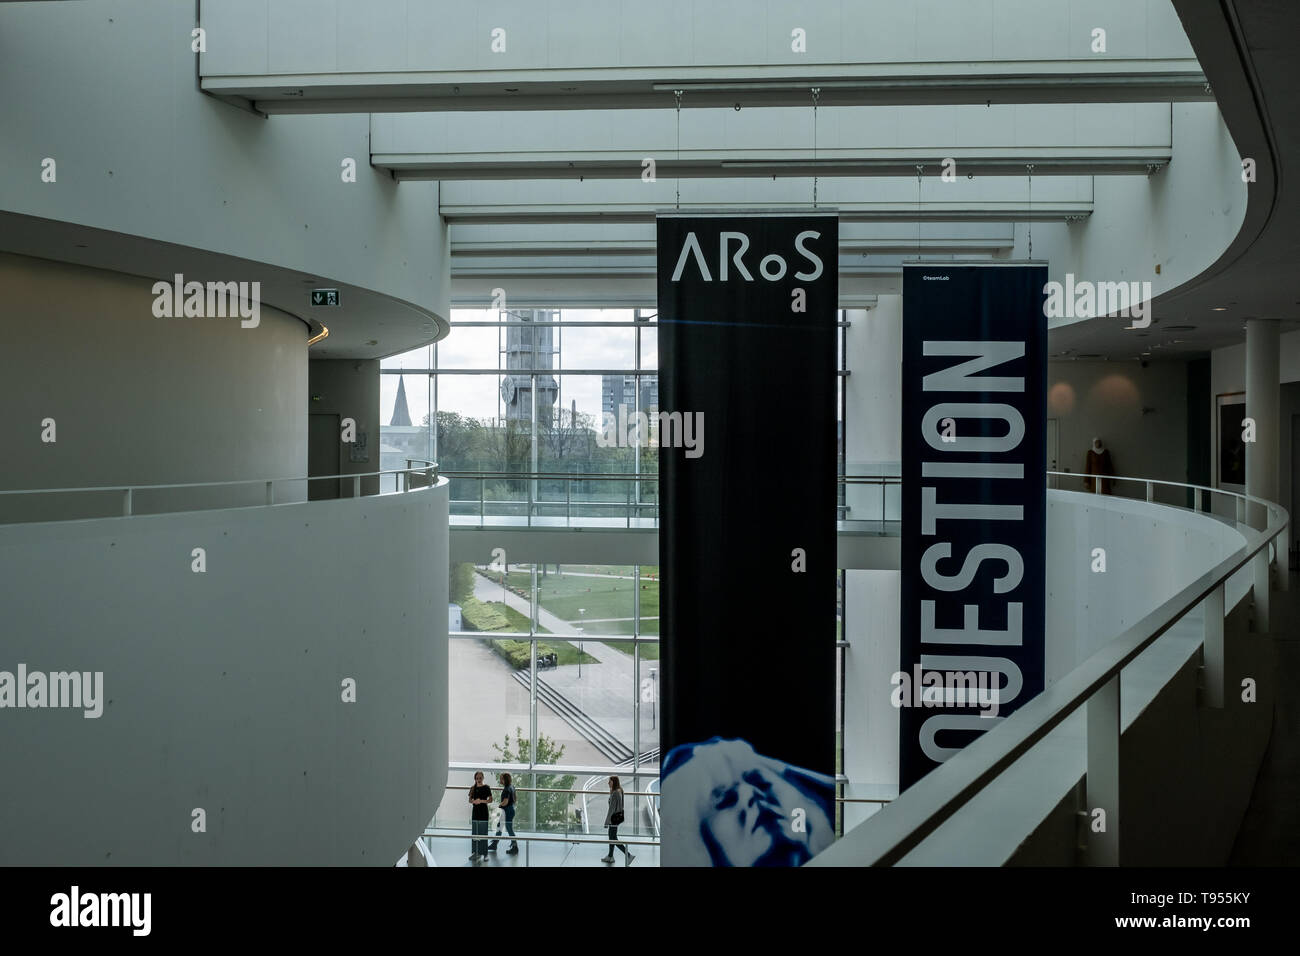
[{"x": 476, "y": 396}]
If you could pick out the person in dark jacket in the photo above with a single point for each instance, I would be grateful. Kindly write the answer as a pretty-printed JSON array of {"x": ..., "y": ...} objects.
[
  {"x": 480, "y": 797},
  {"x": 508, "y": 811},
  {"x": 613, "y": 817}
]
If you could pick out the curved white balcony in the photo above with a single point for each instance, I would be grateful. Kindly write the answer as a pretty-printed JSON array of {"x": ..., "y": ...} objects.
[
  {"x": 1159, "y": 681},
  {"x": 267, "y": 682}
]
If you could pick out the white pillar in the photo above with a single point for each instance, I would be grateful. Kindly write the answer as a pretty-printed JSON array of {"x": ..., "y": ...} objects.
[
  {"x": 873, "y": 445},
  {"x": 1263, "y": 401},
  {"x": 873, "y": 402}
]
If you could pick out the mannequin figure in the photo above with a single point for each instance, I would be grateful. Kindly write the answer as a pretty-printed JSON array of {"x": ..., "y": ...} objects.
[{"x": 1098, "y": 463}]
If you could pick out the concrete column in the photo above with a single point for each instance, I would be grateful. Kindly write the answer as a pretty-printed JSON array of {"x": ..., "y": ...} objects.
[
  {"x": 873, "y": 445},
  {"x": 1263, "y": 404},
  {"x": 873, "y": 399}
]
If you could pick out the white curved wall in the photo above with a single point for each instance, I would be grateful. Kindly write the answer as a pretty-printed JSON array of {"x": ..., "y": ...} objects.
[
  {"x": 1172, "y": 742},
  {"x": 222, "y": 690},
  {"x": 148, "y": 154},
  {"x": 138, "y": 399},
  {"x": 1181, "y": 219},
  {"x": 1151, "y": 553}
]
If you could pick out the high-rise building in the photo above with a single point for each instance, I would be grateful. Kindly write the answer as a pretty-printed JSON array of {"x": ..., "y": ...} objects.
[
  {"x": 529, "y": 345},
  {"x": 618, "y": 390}
]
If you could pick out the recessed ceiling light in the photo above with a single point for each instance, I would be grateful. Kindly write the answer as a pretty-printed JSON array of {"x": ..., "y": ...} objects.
[{"x": 1220, "y": 308}]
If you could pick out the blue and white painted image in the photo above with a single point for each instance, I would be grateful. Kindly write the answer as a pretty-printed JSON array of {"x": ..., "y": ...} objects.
[{"x": 724, "y": 804}]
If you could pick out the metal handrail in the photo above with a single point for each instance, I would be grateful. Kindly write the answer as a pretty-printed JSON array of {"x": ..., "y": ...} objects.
[
  {"x": 425, "y": 468},
  {"x": 542, "y": 769},
  {"x": 904, "y": 823},
  {"x": 448, "y": 833},
  {"x": 631, "y": 476}
]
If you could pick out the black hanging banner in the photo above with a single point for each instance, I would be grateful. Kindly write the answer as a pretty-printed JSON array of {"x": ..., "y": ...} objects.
[
  {"x": 747, "y": 471},
  {"x": 974, "y": 505}
]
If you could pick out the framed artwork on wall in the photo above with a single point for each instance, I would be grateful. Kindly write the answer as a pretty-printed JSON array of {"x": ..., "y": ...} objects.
[{"x": 1231, "y": 458}]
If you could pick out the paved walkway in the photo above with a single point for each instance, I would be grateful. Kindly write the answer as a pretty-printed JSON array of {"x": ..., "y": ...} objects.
[{"x": 605, "y": 691}]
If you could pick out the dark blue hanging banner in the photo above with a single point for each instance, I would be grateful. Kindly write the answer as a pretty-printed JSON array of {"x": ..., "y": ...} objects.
[
  {"x": 974, "y": 505},
  {"x": 747, "y": 380}
]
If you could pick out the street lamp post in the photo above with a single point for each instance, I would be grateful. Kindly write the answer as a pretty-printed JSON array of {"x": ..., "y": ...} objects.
[
  {"x": 582, "y": 612},
  {"x": 654, "y": 699}
]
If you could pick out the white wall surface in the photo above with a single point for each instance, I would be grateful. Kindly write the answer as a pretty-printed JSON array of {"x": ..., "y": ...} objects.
[
  {"x": 1172, "y": 743},
  {"x": 873, "y": 404},
  {"x": 1139, "y": 413},
  {"x": 148, "y": 154},
  {"x": 349, "y": 388},
  {"x": 223, "y": 689},
  {"x": 1180, "y": 219},
  {"x": 139, "y": 400},
  {"x": 1151, "y": 552},
  {"x": 356, "y": 36}
]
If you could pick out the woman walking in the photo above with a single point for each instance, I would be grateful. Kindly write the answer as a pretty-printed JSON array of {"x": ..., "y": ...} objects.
[
  {"x": 480, "y": 796},
  {"x": 613, "y": 817}
]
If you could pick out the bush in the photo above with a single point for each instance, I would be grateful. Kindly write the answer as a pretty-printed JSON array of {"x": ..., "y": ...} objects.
[
  {"x": 516, "y": 652},
  {"x": 482, "y": 617}
]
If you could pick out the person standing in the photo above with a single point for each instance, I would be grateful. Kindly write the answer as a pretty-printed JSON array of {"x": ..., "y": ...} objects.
[
  {"x": 480, "y": 797},
  {"x": 613, "y": 817},
  {"x": 508, "y": 810}
]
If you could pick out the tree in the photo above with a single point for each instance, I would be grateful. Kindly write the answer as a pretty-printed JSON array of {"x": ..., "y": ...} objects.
[
  {"x": 567, "y": 434},
  {"x": 461, "y": 585},
  {"x": 459, "y": 439},
  {"x": 552, "y": 808}
]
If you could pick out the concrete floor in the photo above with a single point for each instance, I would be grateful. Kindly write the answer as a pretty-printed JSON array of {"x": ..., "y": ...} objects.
[
  {"x": 1270, "y": 831},
  {"x": 454, "y": 851}
]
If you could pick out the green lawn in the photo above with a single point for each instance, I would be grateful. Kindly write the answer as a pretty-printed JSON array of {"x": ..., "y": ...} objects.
[
  {"x": 647, "y": 570},
  {"x": 568, "y": 653},
  {"x": 601, "y": 597},
  {"x": 518, "y": 622}
]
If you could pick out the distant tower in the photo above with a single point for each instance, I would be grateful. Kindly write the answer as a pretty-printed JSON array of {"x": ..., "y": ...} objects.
[
  {"x": 529, "y": 347},
  {"x": 401, "y": 413}
]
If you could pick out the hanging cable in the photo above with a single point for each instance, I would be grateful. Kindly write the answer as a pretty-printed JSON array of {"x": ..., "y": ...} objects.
[
  {"x": 816, "y": 95},
  {"x": 919, "y": 169},
  {"x": 1029, "y": 167},
  {"x": 677, "y": 96}
]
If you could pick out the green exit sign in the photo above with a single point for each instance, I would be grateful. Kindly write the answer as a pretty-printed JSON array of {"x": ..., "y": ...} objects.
[{"x": 325, "y": 297}]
